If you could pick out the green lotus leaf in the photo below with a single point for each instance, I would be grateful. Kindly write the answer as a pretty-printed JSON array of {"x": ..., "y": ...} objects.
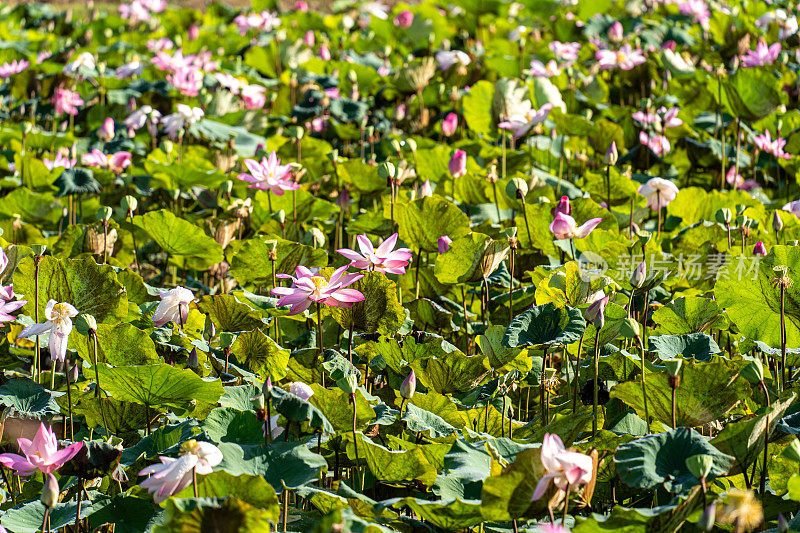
[
  {"x": 545, "y": 325},
  {"x": 751, "y": 94},
  {"x": 660, "y": 460},
  {"x": 229, "y": 314},
  {"x": 754, "y": 304},
  {"x": 289, "y": 464},
  {"x": 470, "y": 259},
  {"x": 29, "y": 517},
  {"x": 296, "y": 409},
  {"x": 380, "y": 311},
  {"x": 250, "y": 260},
  {"x": 256, "y": 351},
  {"x": 251, "y": 489},
  {"x": 689, "y": 314},
  {"x": 93, "y": 289},
  {"x": 180, "y": 238},
  {"x": 28, "y": 399},
  {"x": 706, "y": 393},
  {"x": 224, "y": 424},
  {"x": 161, "y": 387},
  {"x": 118, "y": 344},
  {"x": 421, "y": 222},
  {"x": 76, "y": 181},
  {"x": 206, "y": 514},
  {"x": 697, "y": 345}
]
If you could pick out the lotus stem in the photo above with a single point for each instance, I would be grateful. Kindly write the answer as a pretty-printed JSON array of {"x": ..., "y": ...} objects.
[
  {"x": 135, "y": 249},
  {"x": 37, "y": 358},
  {"x": 763, "y": 480},
  {"x": 69, "y": 401},
  {"x": 527, "y": 227},
  {"x": 542, "y": 399},
  {"x": 355, "y": 442},
  {"x": 596, "y": 361},
  {"x": 644, "y": 388},
  {"x": 608, "y": 186},
  {"x": 783, "y": 338},
  {"x": 577, "y": 374},
  {"x": 268, "y": 432}
]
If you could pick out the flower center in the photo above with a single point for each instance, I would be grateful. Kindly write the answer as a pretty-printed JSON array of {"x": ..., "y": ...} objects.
[
  {"x": 319, "y": 282},
  {"x": 621, "y": 57}
]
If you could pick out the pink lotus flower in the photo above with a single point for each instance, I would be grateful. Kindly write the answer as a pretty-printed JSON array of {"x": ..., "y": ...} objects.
[
  {"x": 443, "y": 243},
  {"x": 187, "y": 80},
  {"x": 565, "y": 227},
  {"x": 61, "y": 161},
  {"x": 762, "y": 55},
  {"x": 119, "y": 161},
  {"x": 106, "y": 132},
  {"x": 563, "y": 467},
  {"x": 173, "y": 475},
  {"x": 625, "y": 58},
  {"x": 550, "y": 528},
  {"x": 309, "y": 287},
  {"x": 775, "y": 147},
  {"x": 58, "y": 325},
  {"x": 67, "y": 101},
  {"x": 309, "y": 39},
  {"x": 14, "y": 67},
  {"x": 458, "y": 164},
  {"x": 9, "y": 305},
  {"x": 540, "y": 70},
  {"x": 95, "y": 158},
  {"x": 759, "y": 249},
  {"x": 793, "y": 208},
  {"x": 173, "y": 307},
  {"x": 269, "y": 175},
  {"x": 324, "y": 53},
  {"x": 254, "y": 96},
  {"x": 615, "y": 32},
  {"x": 41, "y": 454},
  {"x": 194, "y": 32},
  {"x": 566, "y": 52},
  {"x": 659, "y": 192},
  {"x": 301, "y": 6},
  {"x": 404, "y": 19},
  {"x": 521, "y": 124},
  {"x": 696, "y": 9},
  {"x": 733, "y": 178},
  {"x": 382, "y": 259},
  {"x": 449, "y": 124},
  {"x": 657, "y": 143},
  {"x": 449, "y": 58},
  {"x": 595, "y": 312},
  {"x": 158, "y": 45},
  {"x": 563, "y": 206}
]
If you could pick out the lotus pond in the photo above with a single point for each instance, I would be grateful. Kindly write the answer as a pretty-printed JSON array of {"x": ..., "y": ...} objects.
[{"x": 461, "y": 265}]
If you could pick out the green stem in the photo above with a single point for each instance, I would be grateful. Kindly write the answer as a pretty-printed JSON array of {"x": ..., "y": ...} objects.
[{"x": 596, "y": 361}]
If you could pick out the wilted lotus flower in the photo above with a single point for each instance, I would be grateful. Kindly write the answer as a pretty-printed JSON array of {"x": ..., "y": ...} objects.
[
  {"x": 458, "y": 164},
  {"x": 565, "y": 227},
  {"x": 563, "y": 466},
  {"x": 449, "y": 124},
  {"x": 759, "y": 249},
  {"x": 40, "y": 454},
  {"x": 173, "y": 307},
  {"x": 173, "y": 475},
  {"x": 408, "y": 386},
  {"x": 106, "y": 132},
  {"x": 659, "y": 192},
  {"x": 58, "y": 325}
]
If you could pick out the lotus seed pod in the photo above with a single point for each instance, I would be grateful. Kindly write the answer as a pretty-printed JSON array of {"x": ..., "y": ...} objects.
[{"x": 349, "y": 383}]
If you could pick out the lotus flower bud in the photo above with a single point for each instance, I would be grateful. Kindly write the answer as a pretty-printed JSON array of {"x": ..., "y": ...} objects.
[
  {"x": 777, "y": 221},
  {"x": 449, "y": 124},
  {"x": 74, "y": 373},
  {"x": 266, "y": 389},
  {"x": 192, "y": 361},
  {"x": 129, "y": 204},
  {"x": 106, "y": 132},
  {"x": 444, "y": 243},
  {"x": 563, "y": 206},
  {"x": 104, "y": 214},
  {"x": 315, "y": 238},
  {"x": 792, "y": 451},
  {"x": 386, "y": 170},
  {"x": 724, "y": 216},
  {"x": 517, "y": 189},
  {"x": 595, "y": 313},
  {"x": 700, "y": 465},
  {"x": 673, "y": 366},
  {"x": 408, "y": 386},
  {"x": 707, "y": 519},
  {"x": 612, "y": 156},
  {"x": 759, "y": 249},
  {"x": 50, "y": 491},
  {"x": 458, "y": 164},
  {"x": 639, "y": 275},
  {"x": 615, "y": 33}
]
